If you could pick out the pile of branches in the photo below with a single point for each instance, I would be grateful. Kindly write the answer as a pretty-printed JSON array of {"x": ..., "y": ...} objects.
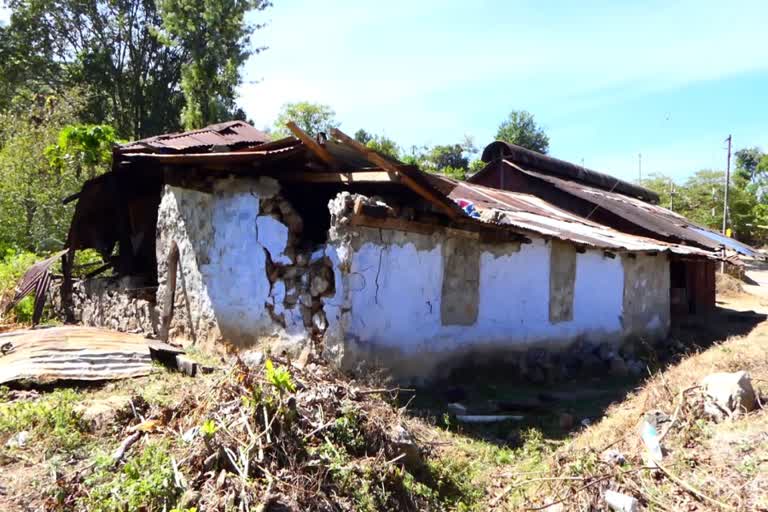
[{"x": 288, "y": 437}]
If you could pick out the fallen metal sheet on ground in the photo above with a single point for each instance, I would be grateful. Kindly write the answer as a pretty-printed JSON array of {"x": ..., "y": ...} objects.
[{"x": 75, "y": 353}]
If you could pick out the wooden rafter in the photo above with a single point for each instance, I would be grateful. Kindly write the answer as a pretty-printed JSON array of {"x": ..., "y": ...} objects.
[
  {"x": 378, "y": 160},
  {"x": 312, "y": 144}
]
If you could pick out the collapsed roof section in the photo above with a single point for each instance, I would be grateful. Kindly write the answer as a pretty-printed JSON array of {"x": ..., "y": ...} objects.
[{"x": 120, "y": 207}]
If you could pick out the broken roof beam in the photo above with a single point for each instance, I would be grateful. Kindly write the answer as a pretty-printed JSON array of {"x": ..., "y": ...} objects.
[
  {"x": 314, "y": 146},
  {"x": 445, "y": 204}
]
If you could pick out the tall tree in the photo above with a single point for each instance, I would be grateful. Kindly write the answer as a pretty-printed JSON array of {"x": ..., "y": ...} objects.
[
  {"x": 521, "y": 129},
  {"x": 313, "y": 118},
  {"x": 111, "y": 49},
  {"x": 215, "y": 39}
]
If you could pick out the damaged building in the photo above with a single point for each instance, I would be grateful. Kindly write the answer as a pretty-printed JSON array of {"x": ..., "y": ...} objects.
[
  {"x": 624, "y": 206},
  {"x": 222, "y": 237}
]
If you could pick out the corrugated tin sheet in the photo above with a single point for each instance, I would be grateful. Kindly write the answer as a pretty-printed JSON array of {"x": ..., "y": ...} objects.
[
  {"x": 534, "y": 215},
  {"x": 560, "y": 168},
  {"x": 74, "y": 353},
  {"x": 729, "y": 243},
  {"x": 651, "y": 217},
  {"x": 230, "y": 134}
]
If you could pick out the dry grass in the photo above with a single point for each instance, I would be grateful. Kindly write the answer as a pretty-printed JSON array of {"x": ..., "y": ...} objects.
[
  {"x": 708, "y": 466},
  {"x": 726, "y": 284}
]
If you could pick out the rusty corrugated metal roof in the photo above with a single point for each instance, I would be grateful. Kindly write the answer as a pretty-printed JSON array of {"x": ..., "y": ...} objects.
[
  {"x": 534, "y": 215},
  {"x": 74, "y": 353},
  {"x": 651, "y": 217},
  {"x": 563, "y": 169},
  {"x": 230, "y": 134}
]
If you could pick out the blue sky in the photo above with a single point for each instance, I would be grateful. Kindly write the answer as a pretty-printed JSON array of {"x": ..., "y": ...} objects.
[{"x": 607, "y": 80}]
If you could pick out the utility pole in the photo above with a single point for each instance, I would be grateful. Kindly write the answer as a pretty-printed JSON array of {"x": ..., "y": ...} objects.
[
  {"x": 640, "y": 169},
  {"x": 725, "y": 198},
  {"x": 727, "y": 185}
]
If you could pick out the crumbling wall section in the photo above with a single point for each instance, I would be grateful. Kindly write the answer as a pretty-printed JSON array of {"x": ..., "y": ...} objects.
[{"x": 244, "y": 277}]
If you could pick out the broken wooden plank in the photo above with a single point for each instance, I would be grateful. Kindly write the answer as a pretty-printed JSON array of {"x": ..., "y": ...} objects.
[
  {"x": 442, "y": 202},
  {"x": 312, "y": 145}
]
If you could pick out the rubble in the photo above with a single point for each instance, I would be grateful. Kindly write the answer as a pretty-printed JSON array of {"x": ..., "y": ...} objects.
[{"x": 261, "y": 433}]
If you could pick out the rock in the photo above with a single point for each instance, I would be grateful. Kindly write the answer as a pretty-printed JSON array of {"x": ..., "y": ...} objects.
[
  {"x": 252, "y": 358},
  {"x": 305, "y": 299},
  {"x": 18, "y": 440},
  {"x": 318, "y": 286},
  {"x": 567, "y": 421},
  {"x": 613, "y": 456},
  {"x": 617, "y": 367},
  {"x": 405, "y": 445},
  {"x": 99, "y": 414},
  {"x": 319, "y": 321},
  {"x": 732, "y": 392}
]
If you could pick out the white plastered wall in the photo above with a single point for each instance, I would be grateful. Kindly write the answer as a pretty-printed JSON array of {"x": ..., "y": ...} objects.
[
  {"x": 222, "y": 289},
  {"x": 389, "y": 291}
]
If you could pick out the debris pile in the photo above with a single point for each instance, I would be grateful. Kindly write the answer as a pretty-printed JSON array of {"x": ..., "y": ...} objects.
[{"x": 283, "y": 436}]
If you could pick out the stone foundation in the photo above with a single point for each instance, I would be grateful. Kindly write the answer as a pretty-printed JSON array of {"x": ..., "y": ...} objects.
[{"x": 122, "y": 304}]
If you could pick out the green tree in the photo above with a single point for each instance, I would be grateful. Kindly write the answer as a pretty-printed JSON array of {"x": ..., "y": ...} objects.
[
  {"x": 215, "y": 39},
  {"x": 111, "y": 50},
  {"x": 32, "y": 216},
  {"x": 313, "y": 118},
  {"x": 521, "y": 129},
  {"x": 747, "y": 161},
  {"x": 82, "y": 147}
]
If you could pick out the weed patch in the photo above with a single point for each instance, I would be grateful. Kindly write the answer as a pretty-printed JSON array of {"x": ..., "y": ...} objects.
[
  {"x": 145, "y": 482},
  {"x": 51, "y": 420}
]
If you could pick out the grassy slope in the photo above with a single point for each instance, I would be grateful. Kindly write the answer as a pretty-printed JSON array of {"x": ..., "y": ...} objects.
[
  {"x": 727, "y": 462},
  {"x": 486, "y": 469}
]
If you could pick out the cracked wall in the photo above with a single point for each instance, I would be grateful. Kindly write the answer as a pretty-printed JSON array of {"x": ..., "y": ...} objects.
[
  {"x": 241, "y": 278},
  {"x": 389, "y": 308}
]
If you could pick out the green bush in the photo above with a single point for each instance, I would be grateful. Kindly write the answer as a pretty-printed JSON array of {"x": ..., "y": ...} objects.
[{"x": 13, "y": 264}]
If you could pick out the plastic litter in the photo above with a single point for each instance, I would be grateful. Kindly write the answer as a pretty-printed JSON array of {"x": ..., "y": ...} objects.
[
  {"x": 621, "y": 502},
  {"x": 651, "y": 439}
]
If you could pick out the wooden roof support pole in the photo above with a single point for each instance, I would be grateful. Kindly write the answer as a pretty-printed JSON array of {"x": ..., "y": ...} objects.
[
  {"x": 376, "y": 159},
  {"x": 312, "y": 144}
]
